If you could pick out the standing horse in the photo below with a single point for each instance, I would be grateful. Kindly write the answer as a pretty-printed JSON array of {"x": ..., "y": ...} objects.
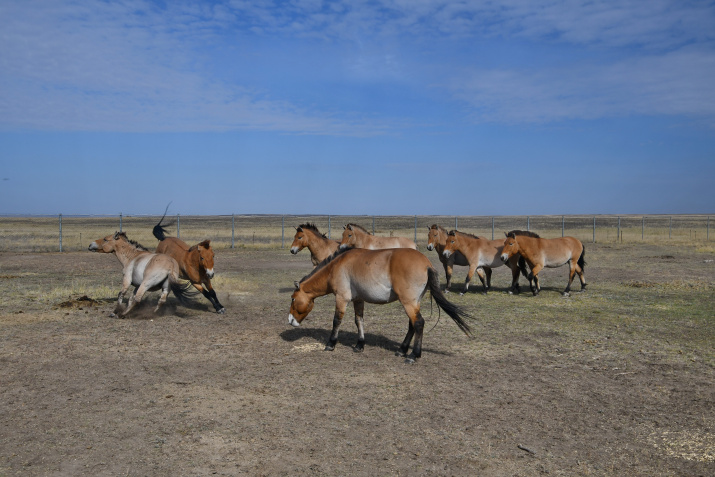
[
  {"x": 196, "y": 262},
  {"x": 482, "y": 255},
  {"x": 145, "y": 270},
  {"x": 374, "y": 276},
  {"x": 436, "y": 240},
  {"x": 551, "y": 253},
  {"x": 357, "y": 237},
  {"x": 320, "y": 247}
]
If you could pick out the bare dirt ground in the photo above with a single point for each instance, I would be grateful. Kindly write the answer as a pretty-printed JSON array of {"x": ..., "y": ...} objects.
[{"x": 615, "y": 381}]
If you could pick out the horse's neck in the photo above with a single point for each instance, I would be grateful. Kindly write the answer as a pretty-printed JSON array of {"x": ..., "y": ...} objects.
[
  {"x": 126, "y": 252},
  {"x": 318, "y": 284},
  {"x": 318, "y": 244}
]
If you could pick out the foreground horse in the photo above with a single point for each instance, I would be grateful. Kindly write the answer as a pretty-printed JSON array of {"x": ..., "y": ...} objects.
[
  {"x": 482, "y": 255},
  {"x": 196, "y": 262},
  {"x": 436, "y": 240},
  {"x": 320, "y": 247},
  {"x": 357, "y": 237},
  {"x": 374, "y": 276},
  {"x": 551, "y": 253},
  {"x": 145, "y": 270}
]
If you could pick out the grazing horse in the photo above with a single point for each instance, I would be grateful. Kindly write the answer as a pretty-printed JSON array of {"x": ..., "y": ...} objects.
[
  {"x": 145, "y": 270},
  {"x": 482, "y": 255},
  {"x": 436, "y": 240},
  {"x": 374, "y": 276},
  {"x": 357, "y": 237},
  {"x": 320, "y": 247},
  {"x": 196, "y": 262},
  {"x": 551, "y": 253}
]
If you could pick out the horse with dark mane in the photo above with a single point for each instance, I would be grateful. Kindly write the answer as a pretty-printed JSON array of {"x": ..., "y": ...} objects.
[
  {"x": 320, "y": 246},
  {"x": 145, "y": 270},
  {"x": 551, "y": 253},
  {"x": 374, "y": 276},
  {"x": 196, "y": 262},
  {"x": 436, "y": 240}
]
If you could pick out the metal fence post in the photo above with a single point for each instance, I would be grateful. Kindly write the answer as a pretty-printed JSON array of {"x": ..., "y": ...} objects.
[
  {"x": 670, "y": 227},
  {"x": 618, "y": 235},
  {"x": 60, "y": 232},
  {"x": 328, "y": 226},
  {"x": 562, "y": 226},
  {"x": 178, "y": 225},
  {"x": 233, "y": 229},
  {"x": 492, "y": 227},
  {"x": 643, "y": 228},
  {"x": 456, "y": 223},
  {"x": 120, "y": 221},
  {"x": 594, "y": 229},
  {"x": 283, "y": 227},
  {"x": 527, "y": 223},
  {"x": 415, "y": 229},
  {"x": 707, "y": 235},
  {"x": 373, "y": 225}
]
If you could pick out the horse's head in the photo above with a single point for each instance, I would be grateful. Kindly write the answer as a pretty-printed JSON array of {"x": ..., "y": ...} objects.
[
  {"x": 452, "y": 243},
  {"x": 349, "y": 239},
  {"x": 511, "y": 247},
  {"x": 107, "y": 244},
  {"x": 435, "y": 237},
  {"x": 300, "y": 305},
  {"x": 206, "y": 257},
  {"x": 300, "y": 240}
]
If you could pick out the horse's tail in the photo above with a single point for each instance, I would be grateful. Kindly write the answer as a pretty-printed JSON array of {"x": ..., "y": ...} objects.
[
  {"x": 582, "y": 259},
  {"x": 522, "y": 266},
  {"x": 182, "y": 289},
  {"x": 159, "y": 231},
  {"x": 455, "y": 312}
]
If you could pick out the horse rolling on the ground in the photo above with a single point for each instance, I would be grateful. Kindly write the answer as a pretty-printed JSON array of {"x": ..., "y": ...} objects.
[
  {"x": 357, "y": 237},
  {"x": 196, "y": 262},
  {"x": 145, "y": 270},
  {"x": 436, "y": 240},
  {"x": 551, "y": 253},
  {"x": 374, "y": 276},
  {"x": 482, "y": 255},
  {"x": 320, "y": 247}
]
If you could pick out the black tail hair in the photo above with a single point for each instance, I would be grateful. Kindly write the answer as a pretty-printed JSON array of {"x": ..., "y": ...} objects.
[
  {"x": 159, "y": 231},
  {"x": 582, "y": 259},
  {"x": 455, "y": 312},
  {"x": 522, "y": 266},
  {"x": 182, "y": 290}
]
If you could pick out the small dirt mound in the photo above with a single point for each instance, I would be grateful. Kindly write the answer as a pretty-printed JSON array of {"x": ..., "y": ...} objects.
[{"x": 78, "y": 302}]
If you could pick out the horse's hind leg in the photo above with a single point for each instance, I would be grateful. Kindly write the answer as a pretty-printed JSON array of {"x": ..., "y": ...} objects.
[
  {"x": 359, "y": 306},
  {"x": 405, "y": 346},
  {"x": 484, "y": 279},
  {"x": 572, "y": 272},
  {"x": 534, "y": 277},
  {"x": 164, "y": 294},
  {"x": 417, "y": 324},
  {"x": 134, "y": 299}
]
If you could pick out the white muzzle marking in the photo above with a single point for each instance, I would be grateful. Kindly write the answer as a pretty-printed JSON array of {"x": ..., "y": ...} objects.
[
  {"x": 504, "y": 257},
  {"x": 293, "y": 321},
  {"x": 294, "y": 250},
  {"x": 210, "y": 273},
  {"x": 430, "y": 247},
  {"x": 447, "y": 253}
]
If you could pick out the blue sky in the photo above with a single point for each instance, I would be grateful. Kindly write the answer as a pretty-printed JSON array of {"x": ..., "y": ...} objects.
[{"x": 383, "y": 107}]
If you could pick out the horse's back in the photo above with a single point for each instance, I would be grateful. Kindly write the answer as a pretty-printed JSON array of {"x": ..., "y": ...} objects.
[{"x": 172, "y": 246}]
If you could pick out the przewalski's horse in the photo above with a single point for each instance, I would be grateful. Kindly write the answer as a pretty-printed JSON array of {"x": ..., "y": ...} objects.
[
  {"x": 482, "y": 255},
  {"x": 320, "y": 246},
  {"x": 196, "y": 262},
  {"x": 436, "y": 240},
  {"x": 374, "y": 276},
  {"x": 145, "y": 270},
  {"x": 357, "y": 237},
  {"x": 551, "y": 253}
]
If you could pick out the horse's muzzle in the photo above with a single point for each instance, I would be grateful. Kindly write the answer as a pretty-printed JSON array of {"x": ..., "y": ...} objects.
[
  {"x": 294, "y": 250},
  {"x": 210, "y": 274},
  {"x": 292, "y": 321},
  {"x": 92, "y": 247},
  {"x": 447, "y": 253},
  {"x": 430, "y": 247},
  {"x": 504, "y": 257}
]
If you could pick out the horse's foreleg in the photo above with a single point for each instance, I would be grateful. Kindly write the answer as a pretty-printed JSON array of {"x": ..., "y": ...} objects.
[
  {"x": 359, "y": 306},
  {"x": 483, "y": 278},
  {"x": 534, "y": 277},
  {"x": 448, "y": 273},
  {"x": 514, "y": 277},
  {"x": 470, "y": 274},
  {"x": 209, "y": 293},
  {"x": 340, "y": 306},
  {"x": 572, "y": 272}
]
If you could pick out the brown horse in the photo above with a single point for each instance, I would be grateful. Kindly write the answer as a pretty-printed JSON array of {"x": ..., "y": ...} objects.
[
  {"x": 436, "y": 240},
  {"x": 374, "y": 276},
  {"x": 196, "y": 262},
  {"x": 551, "y": 253},
  {"x": 145, "y": 270},
  {"x": 320, "y": 247},
  {"x": 357, "y": 237},
  {"x": 482, "y": 255}
]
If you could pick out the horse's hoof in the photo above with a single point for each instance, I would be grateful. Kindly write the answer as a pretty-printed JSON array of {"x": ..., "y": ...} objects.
[
  {"x": 329, "y": 348},
  {"x": 461, "y": 294},
  {"x": 358, "y": 350},
  {"x": 565, "y": 294},
  {"x": 400, "y": 354},
  {"x": 221, "y": 311},
  {"x": 410, "y": 360},
  {"x": 112, "y": 315}
]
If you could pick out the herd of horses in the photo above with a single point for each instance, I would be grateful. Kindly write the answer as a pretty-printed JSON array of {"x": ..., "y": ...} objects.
[{"x": 360, "y": 268}]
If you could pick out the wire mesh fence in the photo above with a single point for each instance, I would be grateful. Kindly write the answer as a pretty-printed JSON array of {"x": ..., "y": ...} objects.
[{"x": 75, "y": 232}]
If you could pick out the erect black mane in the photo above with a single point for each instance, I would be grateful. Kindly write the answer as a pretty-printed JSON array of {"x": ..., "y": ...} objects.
[
  {"x": 455, "y": 232},
  {"x": 309, "y": 226},
  {"x": 136, "y": 244},
  {"x": 438, "y": 227},
  {"x": 325, "y": 262},
  {"x": 524, "y": 233}
]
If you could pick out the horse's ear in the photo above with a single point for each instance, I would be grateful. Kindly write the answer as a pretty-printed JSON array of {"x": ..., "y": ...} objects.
[
  {"x": 350, "y": 227},
  {"x": 206, "y": 243},
  {"x": 345, "y": 227},
  {"x": 116, "y": 235},
  {"x": 297, "y": 285},
  {"x": 506, "y": 234},
  {"x": 299, "y": 229}
]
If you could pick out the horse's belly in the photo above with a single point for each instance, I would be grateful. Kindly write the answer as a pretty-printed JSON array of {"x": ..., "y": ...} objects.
[{"x": 375, "y": 292}]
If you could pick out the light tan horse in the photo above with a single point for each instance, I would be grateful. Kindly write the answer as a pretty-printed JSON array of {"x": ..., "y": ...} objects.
[
  {"x": 551, "y": 253},
  {"x": 196, "y": 262},
  {"x": 374, "y": 276},
  {"x": 482, "y": 255},
  {"x": 357, "y": 237},
  {"x": 144, "y": 270},
  {"x": 320, "y": 247},
  {"x": 436, "y": 240}
]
